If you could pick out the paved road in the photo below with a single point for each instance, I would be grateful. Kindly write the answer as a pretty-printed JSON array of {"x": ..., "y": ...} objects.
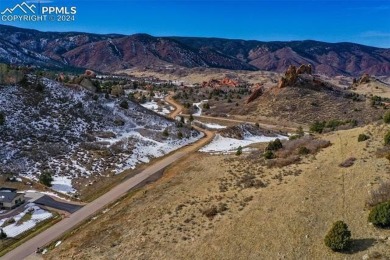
[
  {"x": 55, "y": 232},
  {"x": 55, "y": 204}
]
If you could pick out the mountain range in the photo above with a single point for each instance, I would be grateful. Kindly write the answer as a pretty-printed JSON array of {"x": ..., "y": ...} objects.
[{"x": 113, "y": 52}]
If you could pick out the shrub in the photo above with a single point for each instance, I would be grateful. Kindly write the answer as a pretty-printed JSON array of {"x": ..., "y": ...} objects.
[
  {"x": 180, "y": 135},
  {"x": 3, "y": 235},
  {"x": 274, "y": 145},
  {"x": 303, "y": 150},
  {"x": 239, "y": 151},
  {"x": 317, "y": 127},
  {"x": 211, "y": 212},
  {"x": 380, "y": 215},
  {"x": 338, "y": 237},
  {"x": 2, "y": 118},
  {"x": 45, "y": 178},
  {"x": 124, "y": 104},
  {"x": 165, "y": 132},
  {"x": 269, "y": 155},
  {"x": 387, "y": 138},
  {"x": 333, "y": 124},
  {"x": 363, "y": 137},
  {"x": 39, "y": 87},
  {"x": 386, "y": 118}
]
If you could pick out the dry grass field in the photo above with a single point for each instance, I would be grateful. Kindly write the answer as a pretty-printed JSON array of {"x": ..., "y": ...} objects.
[
  {"x": 235, "y": 207},
  {"x": 198, "y": 75}
]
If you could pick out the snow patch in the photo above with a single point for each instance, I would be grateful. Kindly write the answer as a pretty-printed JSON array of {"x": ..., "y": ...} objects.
[
  {"x": 226, "y": 144},
  {"x": 62, "y": 184},
  {"x": 37, "y": 215}
]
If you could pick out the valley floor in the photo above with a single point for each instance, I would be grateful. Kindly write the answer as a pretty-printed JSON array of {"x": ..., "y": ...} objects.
[{"x": 200, "y": 209}]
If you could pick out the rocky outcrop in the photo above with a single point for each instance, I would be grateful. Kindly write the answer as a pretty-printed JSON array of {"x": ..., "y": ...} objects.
[
  {"x": 215, "y": 83},
  {"x": 365, "y": 78},
  {"x": 291, "y": 75},
  {"x": 90, "y": 74},
  {"x": 257, "y": 92},
  {"x": 304, "y": 69}
]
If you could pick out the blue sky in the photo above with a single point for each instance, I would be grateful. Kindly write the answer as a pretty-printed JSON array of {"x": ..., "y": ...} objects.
[{"x": 365, "y": 22}]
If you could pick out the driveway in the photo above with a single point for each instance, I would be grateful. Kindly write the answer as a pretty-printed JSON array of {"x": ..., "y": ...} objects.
[{"x": 55, "y": 204}]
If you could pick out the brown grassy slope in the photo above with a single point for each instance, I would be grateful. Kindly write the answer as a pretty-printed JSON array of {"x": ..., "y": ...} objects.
[
  {"x": 308, "y": 102},
  {"x": 286, "y": 220}
]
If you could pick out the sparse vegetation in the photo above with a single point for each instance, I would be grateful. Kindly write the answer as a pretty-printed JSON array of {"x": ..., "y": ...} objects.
[
  {"x": 339, "y": 237},
  {"x": 380, "y": 215},
  {"x": 45, "y": 178},
  {"x": 211, "y": 212},
  {"x": 387, "y": 138},
  {"x": 386, "y": 118},
  {"x": 363, "y": 137}
]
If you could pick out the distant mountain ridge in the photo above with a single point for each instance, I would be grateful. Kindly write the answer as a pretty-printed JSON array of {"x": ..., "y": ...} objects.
[{"x": 113, "y": 52}]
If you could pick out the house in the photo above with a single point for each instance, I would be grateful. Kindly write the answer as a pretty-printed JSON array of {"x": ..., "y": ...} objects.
[{"x": 10, "y": 198}]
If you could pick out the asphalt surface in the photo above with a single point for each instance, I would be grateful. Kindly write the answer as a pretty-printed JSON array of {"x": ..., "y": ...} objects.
[{"x": 50, "y": 202}]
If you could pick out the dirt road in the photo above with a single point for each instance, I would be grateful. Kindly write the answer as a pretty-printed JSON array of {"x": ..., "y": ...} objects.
[{"x": 179, "y": 109}]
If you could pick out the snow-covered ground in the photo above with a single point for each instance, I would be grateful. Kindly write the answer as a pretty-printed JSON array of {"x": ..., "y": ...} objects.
[
  {"x": 214, "y": 126},
  {"x": 152, "y": 105},
  {"x": 146, "y": 148},
  {"x": 69, "y": 133},
  {"x": 62, "y": 184},
  {"x": 15, "y": 229},
  {"x": 199, "y": 106},
  {"x": 222, "y": 144}
]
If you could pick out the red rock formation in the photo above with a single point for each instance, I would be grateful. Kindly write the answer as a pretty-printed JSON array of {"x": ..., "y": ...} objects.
[
  {"x": 291, "y": 75},
  {"x": 215, "y": 83},
  {"x": 365, "y": 78},
  {"x": 90, "y": 74},
  {"x": 304, "y": 69},
  {"x": 257, "y": 92}
]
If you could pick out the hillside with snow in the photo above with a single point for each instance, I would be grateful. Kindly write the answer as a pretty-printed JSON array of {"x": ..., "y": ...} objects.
[{"x": 75, "y": 133}]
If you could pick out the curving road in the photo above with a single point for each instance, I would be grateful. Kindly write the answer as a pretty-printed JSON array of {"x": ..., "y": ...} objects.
[
  {"x": 179, "y": 109},
  {"x": 54, "y": 232}
]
